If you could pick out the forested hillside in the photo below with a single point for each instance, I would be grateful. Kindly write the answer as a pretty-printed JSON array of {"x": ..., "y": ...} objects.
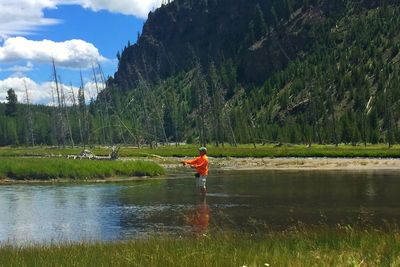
[{"x": 245, "y": 71}]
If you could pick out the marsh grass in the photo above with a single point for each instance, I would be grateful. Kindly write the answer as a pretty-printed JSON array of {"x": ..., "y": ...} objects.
[
  {"x": 53, "y": 168},
  {"x": 297, "y": 247},
  {"x": 342, "y": 151}
]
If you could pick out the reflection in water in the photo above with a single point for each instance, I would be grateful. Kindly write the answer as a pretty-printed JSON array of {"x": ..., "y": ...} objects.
[
  {"x": 199, "y": 218},
  {"x": 370, "y": 191},
  {"x": 46, "y": 214},
  {"x": 236, "y": 199}
]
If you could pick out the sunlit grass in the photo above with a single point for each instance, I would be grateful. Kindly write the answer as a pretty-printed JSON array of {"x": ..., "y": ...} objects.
[
  {"x": 342, "y": 151},
  {"x": 317, "y": 247},
  {"x": 52, "y": 168}
]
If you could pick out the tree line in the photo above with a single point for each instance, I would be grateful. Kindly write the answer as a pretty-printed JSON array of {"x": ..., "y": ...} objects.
[{"x": 345, "y": 90}]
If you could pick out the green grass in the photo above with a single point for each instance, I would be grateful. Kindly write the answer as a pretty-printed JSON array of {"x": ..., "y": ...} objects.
[
  {"x": 376, "y": 151},
  {"x": 53, "y": 168},
  {"x": 323, "y": 247},
  {"x": 342, "y": 151}
]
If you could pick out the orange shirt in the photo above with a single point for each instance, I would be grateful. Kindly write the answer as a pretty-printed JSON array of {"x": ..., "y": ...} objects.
[{"x": 200, "y": 164}]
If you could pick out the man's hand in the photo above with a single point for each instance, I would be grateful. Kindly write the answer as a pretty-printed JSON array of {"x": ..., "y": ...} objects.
[{"x": 184, "y": 163}]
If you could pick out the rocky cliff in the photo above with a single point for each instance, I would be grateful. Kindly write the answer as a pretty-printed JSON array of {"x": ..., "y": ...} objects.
[{"x": 178, "y": 34}]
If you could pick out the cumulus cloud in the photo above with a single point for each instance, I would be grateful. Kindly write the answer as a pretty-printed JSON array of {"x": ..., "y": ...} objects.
[
  {"x": 43, "y": 93},
  {"x": 70, "y": 54},
  {"x": 17, "y": 69},
  {"x": 20, "y": 69},
  {"x": 39, "y": 94},
  {"x": 22, "y": 17},
  {"x": 138, "y": 8}
]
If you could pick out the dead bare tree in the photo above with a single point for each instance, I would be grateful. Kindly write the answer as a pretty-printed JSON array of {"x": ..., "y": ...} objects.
[
  {"x": 59, "y": 121},
  {"x": 106, "y": 100},
  {"x": 103, "y": 106},
  {"x": 65, "y": 113},
  {"x": 156, "y": 110},
  {"x": 226, "y": 111},
  {"x": 29, "y": 115},
  {"x": 199, "y": 85},
  {"x": 83, "y": 126}
]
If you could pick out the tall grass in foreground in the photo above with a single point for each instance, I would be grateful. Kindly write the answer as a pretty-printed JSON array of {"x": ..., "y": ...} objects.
[
  {"x": 51, "y": 168},
  {"x": 342, "y": 151},
  {"x": 296, "y": 248}
]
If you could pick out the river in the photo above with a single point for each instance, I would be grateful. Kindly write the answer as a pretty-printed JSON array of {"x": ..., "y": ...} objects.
[{"x": 236, "y": 201}]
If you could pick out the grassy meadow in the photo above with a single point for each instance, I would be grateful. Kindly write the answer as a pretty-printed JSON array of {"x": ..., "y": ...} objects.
[
  {"x": 317, "y": 247},
  {"x": 59, "y": 168},
  {"x": 342, "y": 151}
]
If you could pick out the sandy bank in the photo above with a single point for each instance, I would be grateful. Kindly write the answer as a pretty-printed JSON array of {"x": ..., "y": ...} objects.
[
  {"x": 293, "y": 163},
  {"x": 290, "y": 164}
]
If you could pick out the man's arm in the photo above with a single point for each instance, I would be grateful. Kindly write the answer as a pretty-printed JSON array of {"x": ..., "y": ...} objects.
[{"x": 190, "y": 162}]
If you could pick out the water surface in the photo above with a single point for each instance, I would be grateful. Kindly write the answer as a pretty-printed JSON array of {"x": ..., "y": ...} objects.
[{"x": 237, "y": 200}]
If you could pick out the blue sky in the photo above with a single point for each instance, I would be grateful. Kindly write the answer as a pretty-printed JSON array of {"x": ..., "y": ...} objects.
[{"x": 76, "y": 33}]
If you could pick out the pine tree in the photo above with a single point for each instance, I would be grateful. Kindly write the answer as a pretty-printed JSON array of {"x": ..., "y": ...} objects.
[
  {"x": 218, "y": 102},
  {"x": 260, "y": 27},
  {"x": 11, "y": 106},
  {"x": 275, "y": 18},
  {"x": 199, "y": 86},
  {"x": 388, "y": 119}
]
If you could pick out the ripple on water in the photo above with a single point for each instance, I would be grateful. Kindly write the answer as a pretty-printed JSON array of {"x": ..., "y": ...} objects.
[{"x": 58, "y": 213}]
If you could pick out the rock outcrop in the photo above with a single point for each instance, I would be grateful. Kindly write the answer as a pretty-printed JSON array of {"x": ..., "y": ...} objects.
[{"x": 185, "y": 31}]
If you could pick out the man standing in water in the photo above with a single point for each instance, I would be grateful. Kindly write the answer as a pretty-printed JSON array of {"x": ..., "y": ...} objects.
[{"x": 201, "y": 165}]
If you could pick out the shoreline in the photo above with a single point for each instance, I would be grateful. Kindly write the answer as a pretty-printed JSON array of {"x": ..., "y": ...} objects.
[
  {"x": 295, "y": 164},
  {"x": 8, "y": 181},
  {"x": 240, "y": 164}
]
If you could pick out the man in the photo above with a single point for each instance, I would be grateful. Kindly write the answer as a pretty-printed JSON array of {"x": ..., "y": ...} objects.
[{"x": 201, "y": 165}]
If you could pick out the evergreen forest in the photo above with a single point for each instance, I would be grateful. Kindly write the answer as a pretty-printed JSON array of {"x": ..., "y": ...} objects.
[{"x": 301, "y": 72}]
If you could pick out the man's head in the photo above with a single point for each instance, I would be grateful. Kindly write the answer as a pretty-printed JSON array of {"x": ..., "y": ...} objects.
[{"x": 202, "y": 150}]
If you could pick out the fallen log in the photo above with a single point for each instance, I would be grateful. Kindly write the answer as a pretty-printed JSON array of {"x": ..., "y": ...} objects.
[{"x": 87, "y": 154}]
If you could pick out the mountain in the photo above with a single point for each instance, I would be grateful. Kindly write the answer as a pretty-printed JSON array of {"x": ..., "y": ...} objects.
[
  {"x": 216, "y": 30},
  {"x": 290, "y": 71},
  {"x": 243, "y": 71}
]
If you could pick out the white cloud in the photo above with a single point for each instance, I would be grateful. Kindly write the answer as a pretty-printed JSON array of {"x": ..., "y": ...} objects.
[
  {"x": 37, "y": 93},
  {"x": 22, "y": 17},
  {"x": 20, "y": 69},
  {"x": 17, "y": 69},
  {"x": 138, "y": 8},
  {"x": 43, "y": 93},
  {"x": 69, "y": 54}
]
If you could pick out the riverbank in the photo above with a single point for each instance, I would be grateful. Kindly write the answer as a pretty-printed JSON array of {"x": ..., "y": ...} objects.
[
  {"x": 349, "y": 164},
  {"x": 291, "y": 164},
  {"x": 241, "y": 151},
  {"x": 108, "y": 180},
  {"x": 343, "y": 246},
  {"x": 55, "y": 169}
]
